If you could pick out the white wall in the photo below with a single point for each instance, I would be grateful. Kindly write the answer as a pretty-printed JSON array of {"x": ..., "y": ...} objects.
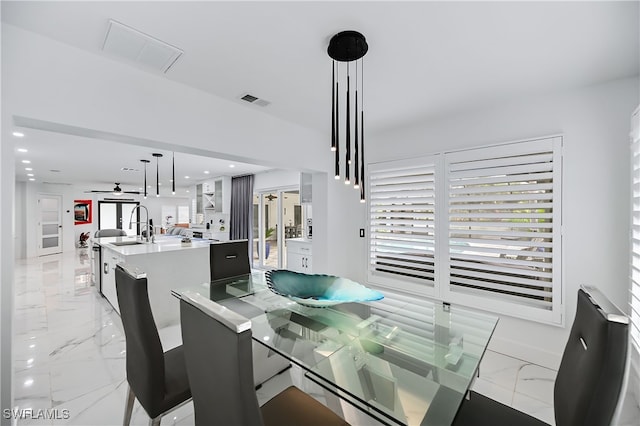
[
  {"x": 595, "y": 124},
  {"x": 274, "y": 179},
  {"x": 20, "y": 229}
]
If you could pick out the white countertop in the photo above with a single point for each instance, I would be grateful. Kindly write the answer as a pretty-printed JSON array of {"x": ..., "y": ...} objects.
[{"x": 162, "y": 244}]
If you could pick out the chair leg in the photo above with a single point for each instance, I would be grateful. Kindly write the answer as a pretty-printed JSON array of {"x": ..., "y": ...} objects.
[
  {"x": 128, "y": 409},
  {"x": 155, "y": 421}
]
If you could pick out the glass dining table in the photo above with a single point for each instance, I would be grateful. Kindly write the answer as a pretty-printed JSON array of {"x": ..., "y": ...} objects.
[{"x": 402, "y": 362}]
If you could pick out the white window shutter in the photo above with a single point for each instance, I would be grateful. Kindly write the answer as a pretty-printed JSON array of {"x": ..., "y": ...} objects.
[
  {"x": 635, "y": 230},
  {"x": 402, "y": 224},
  {"x": 504, "y": 228}
]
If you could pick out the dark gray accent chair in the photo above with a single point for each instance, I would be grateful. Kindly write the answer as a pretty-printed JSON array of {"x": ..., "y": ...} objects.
[
  {"x": 590, "y": 377},
  {"x": 218, "y": 350},
  {"x": 110, "y": 233},
  {"x": 157, "y": 379}
]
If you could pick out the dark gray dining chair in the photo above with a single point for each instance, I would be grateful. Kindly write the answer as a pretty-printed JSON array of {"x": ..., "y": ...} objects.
[
  {"x": 590, "y": 377},
  {"x": 217, "y": 345},
  {"x": 157, "y": 379},
  {"x": 231, "y": 259},
  {"x": 110, "y": 233}
]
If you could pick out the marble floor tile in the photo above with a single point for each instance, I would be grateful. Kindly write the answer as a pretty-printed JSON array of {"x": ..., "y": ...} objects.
[
  {"x": 536, "y": 382},
  {"x": 501, "y": 370},
  {"x": 494, "y": 391},
  {"x": 534, "y": 408}
]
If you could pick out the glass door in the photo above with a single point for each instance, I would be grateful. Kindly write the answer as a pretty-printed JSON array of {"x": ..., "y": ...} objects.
[
  {"x": 265, "y": 225},
  {"x": 116, "y": 214},
  {"x": 277, "y": 216},
  {"x": 291, "y": 213}
]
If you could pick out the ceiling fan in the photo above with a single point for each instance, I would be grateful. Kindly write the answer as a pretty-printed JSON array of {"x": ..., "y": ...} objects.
[
  {"x": 270, "y": 197},
  {"x": 115, "y": 191}
]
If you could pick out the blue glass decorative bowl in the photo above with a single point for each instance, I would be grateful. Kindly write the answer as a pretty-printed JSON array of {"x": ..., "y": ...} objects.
[{"x": 318, "y": 291}]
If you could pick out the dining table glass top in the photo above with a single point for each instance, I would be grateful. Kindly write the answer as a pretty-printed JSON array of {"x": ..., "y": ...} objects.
[{"x": 402, "y": 362}]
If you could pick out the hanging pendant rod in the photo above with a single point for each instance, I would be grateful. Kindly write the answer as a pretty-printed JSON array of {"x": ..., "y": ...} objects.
[
  {"x": 157, "y": 155},
  {"x": 173, "y": 173},
  {"x": 356, "y": 172},
  {"x": 337, "y": 127},
  {"x": 145, "y": 177},
  {"x": 362, "y": 195}
]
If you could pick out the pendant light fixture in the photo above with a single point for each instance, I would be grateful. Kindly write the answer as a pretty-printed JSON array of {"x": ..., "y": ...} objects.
[
  {"x": 145, "y": 177},
  {"x": 348, "y": 47},
  {"x": 173, "y": 173},
  {"x": 157, "y": 155}
]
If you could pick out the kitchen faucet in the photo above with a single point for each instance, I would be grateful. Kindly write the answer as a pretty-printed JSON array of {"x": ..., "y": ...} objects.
[{"x": 145, "y": 223}]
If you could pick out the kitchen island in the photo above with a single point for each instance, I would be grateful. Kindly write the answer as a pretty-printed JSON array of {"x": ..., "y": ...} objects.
[{"x": 168, "y": 263}]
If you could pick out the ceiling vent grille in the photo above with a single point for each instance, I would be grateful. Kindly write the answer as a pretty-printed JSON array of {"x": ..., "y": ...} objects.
[
  {"x": 128, "y": 43},
  {"x": 254, "y": 100}
]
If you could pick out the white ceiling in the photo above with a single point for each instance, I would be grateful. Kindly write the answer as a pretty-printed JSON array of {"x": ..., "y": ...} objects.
[
  {"x": 425, "y": 59},
  {"x": 98, "y": 164}
]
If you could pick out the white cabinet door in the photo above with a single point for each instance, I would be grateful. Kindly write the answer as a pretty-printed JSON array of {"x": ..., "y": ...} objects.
[
  {"x": 109, "y": 261},
  {"x": 299, "y": 256}
]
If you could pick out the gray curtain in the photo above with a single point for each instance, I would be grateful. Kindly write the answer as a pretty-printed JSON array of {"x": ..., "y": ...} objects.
[{"x": 241, "y": 226}]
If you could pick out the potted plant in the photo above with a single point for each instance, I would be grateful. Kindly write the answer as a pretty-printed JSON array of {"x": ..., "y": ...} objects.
[{"x": 267, "y": 245}]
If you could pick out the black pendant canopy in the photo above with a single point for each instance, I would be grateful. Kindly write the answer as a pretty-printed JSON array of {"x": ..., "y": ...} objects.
[{"x": 348, "y": 47}]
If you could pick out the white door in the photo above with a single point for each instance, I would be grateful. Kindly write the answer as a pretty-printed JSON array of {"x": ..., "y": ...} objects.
[{"x": 49, "y": 224}]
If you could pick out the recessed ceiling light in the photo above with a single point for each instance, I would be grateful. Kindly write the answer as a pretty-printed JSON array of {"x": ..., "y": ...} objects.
[
  {"x": 186, "y": 177},
  {"x": 28, "y": 169},
  {"x": 206, "y": 172},
  {"x": 29, "y": 174},
  {"x": 26, "y": 161},
  {"x": 232, "y": 165},
  {"x": 31, "y": 179},
  {"x": 23, "y": 150},
  {"x": 187, "y": 190},
  {"x": 18, "y": 134},
  {"x": 170, "y": 180},
  {"x": 159, "y": 183}
]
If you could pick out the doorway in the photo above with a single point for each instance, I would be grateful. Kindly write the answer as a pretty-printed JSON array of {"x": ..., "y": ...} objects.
[
  {"x": 116, "y": 214},
  {"x": 49, "y": 224},
  {"x": 277, "y": 217}
]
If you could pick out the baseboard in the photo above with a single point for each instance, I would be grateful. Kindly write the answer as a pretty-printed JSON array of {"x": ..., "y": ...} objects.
[{"x": 525, "y": 352}]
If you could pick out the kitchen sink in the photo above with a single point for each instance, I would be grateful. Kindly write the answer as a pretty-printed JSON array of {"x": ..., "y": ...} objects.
[{"x": 127, "y": 243}]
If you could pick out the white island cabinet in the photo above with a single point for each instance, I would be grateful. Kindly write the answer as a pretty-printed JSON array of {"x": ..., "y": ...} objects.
[
  {"x": 168, "y": 263},
  {"x": 299, "y": 255}
]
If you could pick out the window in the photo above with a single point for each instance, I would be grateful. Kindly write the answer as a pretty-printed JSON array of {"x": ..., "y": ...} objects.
[
  {"x": 635, "y": 230},
  {"x": 478, "y": 227}
]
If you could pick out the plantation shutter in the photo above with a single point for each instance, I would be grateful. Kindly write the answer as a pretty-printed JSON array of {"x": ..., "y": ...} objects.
[
  {"x": 402, "y": 222},
  {"x": 635, "y": 230},
  {"x": 504, "y": 227}
]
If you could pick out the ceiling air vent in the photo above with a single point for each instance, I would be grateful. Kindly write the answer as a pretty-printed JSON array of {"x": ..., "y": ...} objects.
[
  {"x": 135, "y": 46},
  {"x": 255, "y": 100}
]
